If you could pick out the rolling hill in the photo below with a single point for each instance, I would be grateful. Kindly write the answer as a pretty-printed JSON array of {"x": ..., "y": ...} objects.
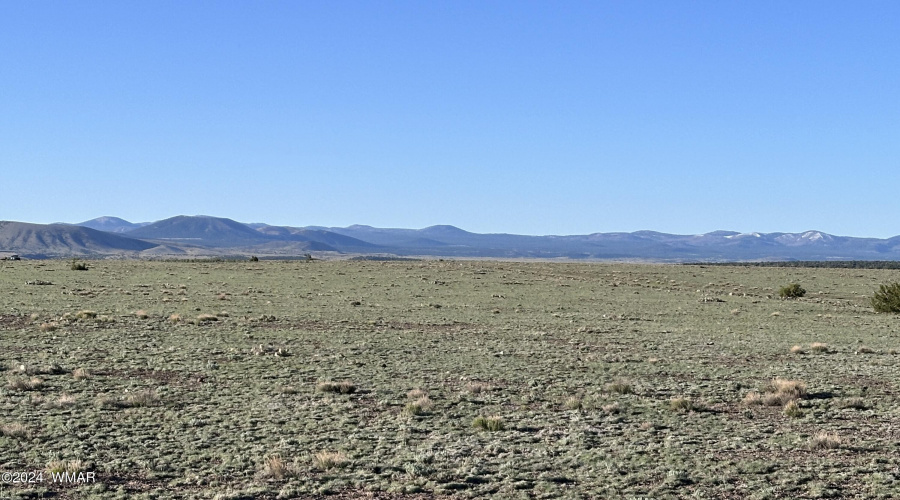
[
  {"x": 205, "y": 235},
  {"x": 63, "y": 240},
  {"x": 111, "y": 224},
  {"x": 201, "y": 230}
]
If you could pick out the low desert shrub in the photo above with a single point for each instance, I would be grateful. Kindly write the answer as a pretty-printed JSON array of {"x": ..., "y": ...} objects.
[
  {"x": 65, "y": 466},
  {"x": 619, "y": 387},
  {"x": 792, "y": 409},
  {"x": 15, "y": 430},
  {"x": 489, "y": 423},
  {"x": 778, "y": 392},
  {"x": 416, "y": 394},
  {"x": 818, "y": 347},
  {"x": 65, "y": 400},
  {"x": 887, "y": 298},
  {"x": 141, "y": 398},
  {"x": 793, "y": 388},
  {"x": 825, "y": 441},
  {"x": 23, "y": 383},
  {"x": 791, "y": 291},
  {"x": 344, "y": 387},
  {"x": 419, "y": 406},
  {"x": 478, "y": 387},
  {"x": 682, "y": 405},
  {"x": 329, "y": 460},
  {"x": 610, "y": 409},
  {"x": 573, "y": 403},
  {"x": 86, "y": 314},
  {"x": 275, "y": 467},
  {"x": 78, "y": 266}
]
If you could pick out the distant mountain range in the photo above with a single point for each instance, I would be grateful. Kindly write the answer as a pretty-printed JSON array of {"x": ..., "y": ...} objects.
[{"x": 214, "y": 236}]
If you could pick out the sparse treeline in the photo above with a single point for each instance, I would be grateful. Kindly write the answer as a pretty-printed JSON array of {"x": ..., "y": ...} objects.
[{"x": 836, "y": 264}]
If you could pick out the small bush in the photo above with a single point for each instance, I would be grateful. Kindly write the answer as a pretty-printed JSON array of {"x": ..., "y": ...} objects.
[
  {"x": 419, "y": 406},
  {"x": 825, "y": 441},
  {"x": 619, "y": 387},
  {"x": 682, "y": 405},
  {"x": 344, "y": 387},
  {"x": 778, "y": 392},
  {"x": 753, "y": 398},
  {"x": 887, "y": 298},
  {"x": 81, "y": 374},
  {"x": 107, "y": 402},
  {"x": 86, "y": 314},
  {"x": 792, "y": 409},
  {"x": 174, "y": 318},
  {"x": 478, "y": 387},
  {"x": 573, "y": 403},
  {"x": 48, "y": 327},
  {"x": 203, "y": 318},
  {"x": 254, "y": 258},
  {"x": 818, "y": 347},
  {"x": 793, "y": 388},
  {"x": 796, "y": 349},
  {"x": 610, "y": 408},
  {"x": 329, "y": 460},
  {"x": 64, "y": 401},
  {"x": 416, "y": 394},
  {"x": 78, "y": 266},
  {"x": 489, "y": 423},
  {"x": 142, "y": 314},
  {"x": 15, "y": 430},
  {"x": 276, "y": 468},
  {"x": 791, "y": 291},
  {"x": 23, "y": 384},
  {"x": 141, "y": 398},
  {"x": 63, "y": 466}
]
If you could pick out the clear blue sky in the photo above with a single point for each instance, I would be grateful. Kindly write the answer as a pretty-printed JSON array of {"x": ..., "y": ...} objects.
[{"x": 526, "y": 117}]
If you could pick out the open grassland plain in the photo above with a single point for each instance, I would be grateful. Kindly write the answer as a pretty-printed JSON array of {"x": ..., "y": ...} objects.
[{"x": 446, "y": 379}]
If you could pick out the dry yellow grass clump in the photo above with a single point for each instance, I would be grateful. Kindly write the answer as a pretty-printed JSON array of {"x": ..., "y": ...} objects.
[
  {"x": 682, "y": 405},
  {"x": 48, "y": 327},
  {"x": 14, "y": 429},
  {"x": 275, "y": 467},
  {"x": 478, "y": 387},
  {"x": 416, "y": 394},
  {"x": 23, "y": 383},
  {"x": 778, "y": 392},
  {"x": 825, "y": 441},
  {"x": 819, "y": 347},
  {"x": 329, "y": 460},
  {"x": 146, "y": 397},
  {"x": 86, "y": 314},
  {"x": 61, "y": 466},
  {"x": 619, "y": 387},
  {"x": 420, "y": 406}
]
